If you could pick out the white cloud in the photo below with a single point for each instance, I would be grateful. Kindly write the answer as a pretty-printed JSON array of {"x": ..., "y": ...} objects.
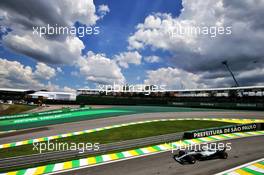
[
  {"x": 61, "y": 12},
  {"x": 173, "y": 78},
  {"x": 126, "y": 58},
  {"x": 59, "y": 69},
  {"x": 100, "y": 69},
  {"x": 68, "y": 89},
  {"x": 16, "y": 75},
  {"x": 51, "y": 87},
  {"x": 55, "y": 49},
  {"x": 246, "y": 78},
  {"x": 43, "y": 71},
  {"x": 152, "y": 59},
  {"x": 80, "y": 10},
  {"x": 49, "y": 51},
  {"x": 103, "y": 10},
  {"x": 241, "y": 48}
]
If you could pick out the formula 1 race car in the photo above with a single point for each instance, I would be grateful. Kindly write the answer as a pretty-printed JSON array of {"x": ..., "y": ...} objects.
[{"x": 191, "y": 156}]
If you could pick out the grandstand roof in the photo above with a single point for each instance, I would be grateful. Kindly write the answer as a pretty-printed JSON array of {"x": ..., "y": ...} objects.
[
  {"x": 51, "y": 93},
  {"x": 15, "y": 90}
]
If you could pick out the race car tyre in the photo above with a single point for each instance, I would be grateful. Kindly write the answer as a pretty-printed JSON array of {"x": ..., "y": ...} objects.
[
  {"x": 224, "y": 155},
  {"x": 181, "y": 153},
  {"x": 174, "y": 157},
  {"x": 191, "y": 159}
]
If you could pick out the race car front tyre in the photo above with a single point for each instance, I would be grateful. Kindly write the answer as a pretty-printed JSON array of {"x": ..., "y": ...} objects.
[
  {"x": 174, "y": 157},
  {"x": 181, "y": 153}
]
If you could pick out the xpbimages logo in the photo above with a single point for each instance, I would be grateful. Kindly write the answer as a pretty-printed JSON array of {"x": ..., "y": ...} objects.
[
  {"x": 41, "y": 147},
  {"x": 80, "y": 31},
  {"x": 147, "y": 89},
  {"x": 211, "y": 31},
  {"x": 201, "y": 147}
]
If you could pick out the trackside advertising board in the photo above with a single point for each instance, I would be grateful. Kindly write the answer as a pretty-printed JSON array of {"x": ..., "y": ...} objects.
[{"x": 223, "y": 130}]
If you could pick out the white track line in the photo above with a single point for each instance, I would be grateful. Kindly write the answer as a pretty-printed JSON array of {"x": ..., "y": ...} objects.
[
  {"x": 139, "y": 156},
  {"x": 240, "y": 166}
]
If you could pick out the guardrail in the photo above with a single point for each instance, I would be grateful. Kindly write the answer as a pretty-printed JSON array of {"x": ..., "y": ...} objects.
[{"x": 19, "y": 161}]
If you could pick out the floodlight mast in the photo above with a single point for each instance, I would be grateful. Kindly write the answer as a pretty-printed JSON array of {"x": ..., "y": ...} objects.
[{"x": 226, "y": 65}]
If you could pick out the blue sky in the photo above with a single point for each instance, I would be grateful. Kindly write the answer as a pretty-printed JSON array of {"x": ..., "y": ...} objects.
[
  {"x": 120, "y": 23},
  {"x": 132, "y": 46}
]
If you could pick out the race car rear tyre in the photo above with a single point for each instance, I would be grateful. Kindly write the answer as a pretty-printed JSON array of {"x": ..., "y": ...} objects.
[
  {"x": 224, "y": 155},
  {"x": 191, "y": 159}
]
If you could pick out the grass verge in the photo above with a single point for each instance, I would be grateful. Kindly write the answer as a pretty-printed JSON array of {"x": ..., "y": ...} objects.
[
  {"x": 114, "y": 135},
  {"x": 121, "y": 134},
  {"x": 7, "y": 109}
]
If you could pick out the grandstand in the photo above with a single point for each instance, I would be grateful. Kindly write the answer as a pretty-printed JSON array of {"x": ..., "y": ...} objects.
[
  {"x": 67, "y": 96},
  {"x": 14, "y": 94},
  {"x": 248, "y": 97},
  {"x": 217, "y": 92}
]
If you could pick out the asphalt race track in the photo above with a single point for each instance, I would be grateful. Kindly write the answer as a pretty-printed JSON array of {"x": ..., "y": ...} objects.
[
  {"x": 90, "y": 124},
  {"x": 243, "y": 150}
]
